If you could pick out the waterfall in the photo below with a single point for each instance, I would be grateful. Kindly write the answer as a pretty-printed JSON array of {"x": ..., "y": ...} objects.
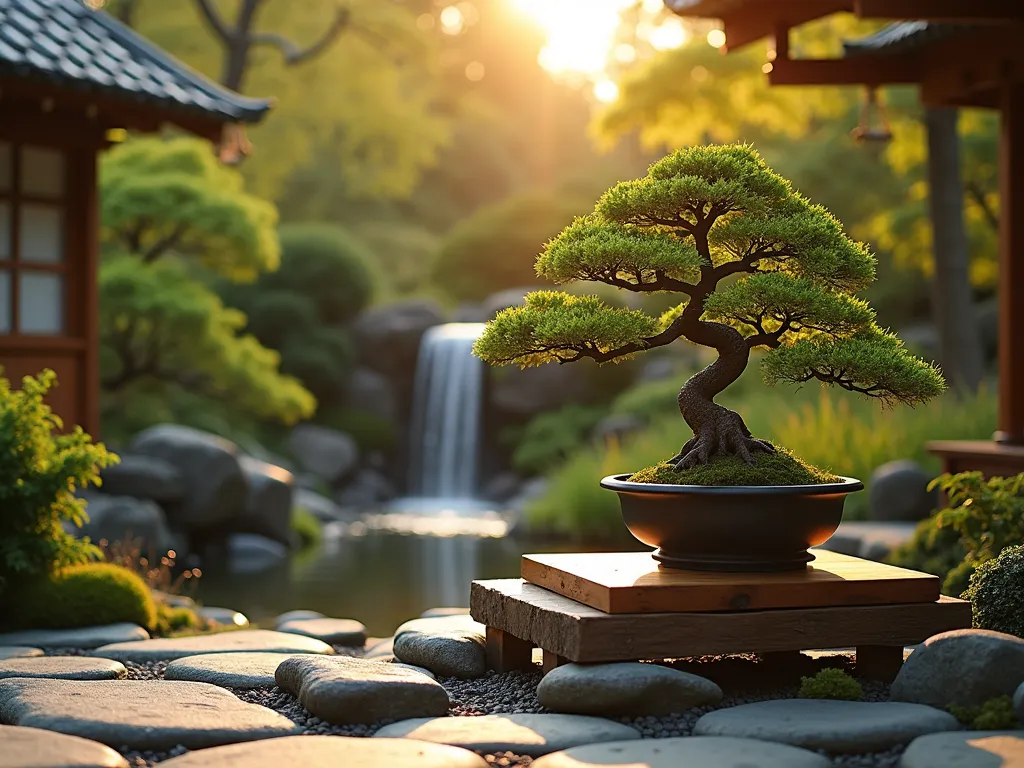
[{"x": 447, "y": 401}]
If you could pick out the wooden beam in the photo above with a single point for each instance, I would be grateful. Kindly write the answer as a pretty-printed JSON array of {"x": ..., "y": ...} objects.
[
  {"x": 1011, "y": 263},
  {"x": 967, "y": 70},
  {"x": 967, "y": 11},
  {"x": 868, "y": 70},
  {"x": 746, "y": 25}
]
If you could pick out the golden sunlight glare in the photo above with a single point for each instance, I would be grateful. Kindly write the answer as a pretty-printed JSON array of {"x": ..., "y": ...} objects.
[
  {"x": 716, "y": 38},
  {"x": 669, "y": 34},
  {"x": 606, "y": 91},
  {"x": 452, "y": 21}
]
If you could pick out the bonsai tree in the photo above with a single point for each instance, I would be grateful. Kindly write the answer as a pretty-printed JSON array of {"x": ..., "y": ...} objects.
[{"x": 756, "y": 266}]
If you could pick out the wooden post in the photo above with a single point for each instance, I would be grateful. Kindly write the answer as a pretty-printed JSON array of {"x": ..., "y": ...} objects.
[
  {"x": 1011, "y": 263},
  {"x": 552, "y": 660},
  {"x": 879, "y": 662},
  {"x": 506, "y": 652}
]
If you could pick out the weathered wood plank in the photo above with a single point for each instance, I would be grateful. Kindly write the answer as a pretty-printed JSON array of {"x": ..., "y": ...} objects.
[
  {"x": 581, "y": 633},
  {"x": 506, "y": 652},
  {"x": 632, "y": 582}
]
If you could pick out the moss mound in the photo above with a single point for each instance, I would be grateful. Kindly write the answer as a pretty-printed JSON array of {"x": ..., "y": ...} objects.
[
  {"x": 779, "y": 468},
  {"x": 83, "y": 596},
  {"x": 994, "y": 715},
  {"x": 831, "y": 684}
]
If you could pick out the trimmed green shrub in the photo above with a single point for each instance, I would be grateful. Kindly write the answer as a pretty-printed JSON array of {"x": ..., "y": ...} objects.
[
  {"x": 39, "y": 471},
  {"x": 549, "y": 438},
  {"x": 370, "y": 431},
  {"x": 830, "y": 683},
  {"x": 83, "y": 596},
  {"x": 994, "y": 715},
  {"x": 306, "y": 526},
  {"x": 778, "y": 468},
  {"x": 996, "y": 592},
  {"x": 981, "y": 519}
]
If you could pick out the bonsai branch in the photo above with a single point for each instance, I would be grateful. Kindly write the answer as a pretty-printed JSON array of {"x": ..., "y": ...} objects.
[{"x": 295, "y": 55}]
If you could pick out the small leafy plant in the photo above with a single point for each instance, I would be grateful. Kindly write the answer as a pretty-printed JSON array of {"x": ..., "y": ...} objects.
[
  {"x": 830, "y": 683},
  {"x": 994, "y": 715},
  {"x": 40, "y": 469},
  {"x": 756, "y": 266},
  {"x": 996, "y": 592}
]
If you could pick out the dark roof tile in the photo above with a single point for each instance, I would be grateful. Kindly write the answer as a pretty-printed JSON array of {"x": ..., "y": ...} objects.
[{"x": 72, "y": 46}]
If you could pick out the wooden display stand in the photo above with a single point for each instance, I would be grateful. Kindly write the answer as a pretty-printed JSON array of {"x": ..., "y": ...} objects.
[{"x": 623, "y": 607}]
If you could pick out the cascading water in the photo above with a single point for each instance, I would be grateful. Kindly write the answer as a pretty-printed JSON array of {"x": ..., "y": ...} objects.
[{"x": 445, "y": 438}]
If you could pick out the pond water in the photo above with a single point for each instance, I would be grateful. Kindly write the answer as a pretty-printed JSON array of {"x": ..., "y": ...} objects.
[{"x": 381, "y": 571}]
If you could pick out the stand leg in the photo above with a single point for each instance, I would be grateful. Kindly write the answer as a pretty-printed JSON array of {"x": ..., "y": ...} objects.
[
  {"x": 552, "y": 660},
  {"x": 879, "y": 662},
  {"x": 506, "y": 652}
]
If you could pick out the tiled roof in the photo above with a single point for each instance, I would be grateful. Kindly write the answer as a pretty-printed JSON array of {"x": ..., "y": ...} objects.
[
  {"x": 68, "y": 44},
  {"x": 901, "y": 36}
]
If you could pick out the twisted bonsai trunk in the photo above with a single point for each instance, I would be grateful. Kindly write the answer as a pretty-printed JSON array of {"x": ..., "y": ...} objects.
[{"x": 717, "y": 431}]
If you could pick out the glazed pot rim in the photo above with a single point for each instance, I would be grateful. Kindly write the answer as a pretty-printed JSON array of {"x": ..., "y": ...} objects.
[{"x": 619, "y": 483}]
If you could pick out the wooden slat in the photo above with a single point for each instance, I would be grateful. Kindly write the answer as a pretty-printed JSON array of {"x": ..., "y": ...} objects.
[
  {"x": 581, "y": 633},
  {"x": 632, "y": 582}
]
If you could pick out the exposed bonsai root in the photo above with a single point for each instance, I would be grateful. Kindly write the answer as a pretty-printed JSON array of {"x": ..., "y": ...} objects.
[{"x": 723, "y": 435}]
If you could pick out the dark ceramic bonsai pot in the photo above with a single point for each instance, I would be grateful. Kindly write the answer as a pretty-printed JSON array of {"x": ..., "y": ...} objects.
[{"x": 732, "y": 528}]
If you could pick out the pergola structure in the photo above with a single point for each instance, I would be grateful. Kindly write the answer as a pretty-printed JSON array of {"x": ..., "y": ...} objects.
[
  {"x": 960, "y": 53},
  {"x": 70, "y": 75}
]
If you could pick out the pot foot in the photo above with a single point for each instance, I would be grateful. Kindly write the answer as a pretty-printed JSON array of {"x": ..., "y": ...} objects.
[{"x": 797, "y": 562}]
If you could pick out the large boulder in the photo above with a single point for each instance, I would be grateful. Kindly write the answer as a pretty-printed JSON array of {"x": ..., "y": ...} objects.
[
  {"x": 212, "y": 478},
  {"x": 268, "y": 509},
  {"x": 120, "y": 518},
  {"x": 321, "y": 507},
  {"x": 898, "y": 491},
  {"x": 144, "y": 477},
  {"x": 965, "y": 667},
  {"x": 388, "y": 337},
  {"x": 326, "y": 453},
  {"x": 368, "y": 489},
  {"x": 370, "y": 392}
]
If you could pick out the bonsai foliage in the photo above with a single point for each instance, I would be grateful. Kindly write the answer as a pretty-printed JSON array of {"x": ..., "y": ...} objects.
[
  {"x": 39, "y": 472},
  {"x": 755, "y": 264}
]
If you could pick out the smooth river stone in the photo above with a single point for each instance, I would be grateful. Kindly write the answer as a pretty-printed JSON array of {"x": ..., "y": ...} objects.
[
  {"x": 1018, "y": 703},
  {"x": 526, "y": 734},
  {"x": 63, "y": 668},
  {"x": 84, "y": 637},
  {"x": 299, "y": 615},
  {"x": 18, "y": 651},
  {"x": 322, "y": 751},
  {"x": 230, "y": 670},
  {"x": 344, "y": 690},
  {"x": 259, "y": 640},
  {"x": 688, "y": 752},
  {"x": 455, "y": 653},
  {"x": 228, "y": 617},
  {"x": 440, "y": 624},
  {"x": 347, "y": 632},
  {"x": 835, "y": 726},
  {"x": 437, "y": 613},
  {"x": 624, "y": 689},
  {"x": 966, "y": 749},
  {"x": 35, "y": 748},
  {"x": 139, "y": 714}
]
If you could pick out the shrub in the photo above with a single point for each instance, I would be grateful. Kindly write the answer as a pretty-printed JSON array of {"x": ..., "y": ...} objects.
[
  {"x": 370, "y": 431},
  {"x": 549, "y": 438},
  {"x": 39, "y": 471},
  {"x": 830, "y": 683},
  {"x": 996, "y": 592},
  {"x": 172, "y": 620},
  {"x": 981, "y": 519},
  {"x": 994, "y": 715},
  {"x": 306, "y": 526},
  {"x": 82, "y": 596}
]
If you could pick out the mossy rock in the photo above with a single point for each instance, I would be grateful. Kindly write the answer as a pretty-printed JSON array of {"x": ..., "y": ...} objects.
[
  {"x": 778, "y": 468},
  {"x": 83, "y": 596}
]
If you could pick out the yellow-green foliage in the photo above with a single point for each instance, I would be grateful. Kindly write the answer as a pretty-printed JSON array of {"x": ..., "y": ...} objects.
[
  {"x": 994, "y": 715},
  {"x": 305, "y": 524},
  {"x": 172, "y": 620},
  {"x": 82, "y": 596},
  {"x": 779, "y": 468},
  {"x": 40, "y": 469},
  {"x": 830, "y": 683}
]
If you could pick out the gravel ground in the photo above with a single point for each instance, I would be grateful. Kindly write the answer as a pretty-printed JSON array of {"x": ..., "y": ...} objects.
[{"x": 743, "y": 678}]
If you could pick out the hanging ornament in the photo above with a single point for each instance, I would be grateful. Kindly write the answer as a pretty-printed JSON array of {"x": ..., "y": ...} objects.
[{"x": 874, "y": 125}]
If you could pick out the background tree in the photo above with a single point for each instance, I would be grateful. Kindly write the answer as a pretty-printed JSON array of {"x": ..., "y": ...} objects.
[{"x": 699, "y": 217}]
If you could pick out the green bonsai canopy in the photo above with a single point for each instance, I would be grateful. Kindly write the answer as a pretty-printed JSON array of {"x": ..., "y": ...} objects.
[{"x": 701, "y": 216}]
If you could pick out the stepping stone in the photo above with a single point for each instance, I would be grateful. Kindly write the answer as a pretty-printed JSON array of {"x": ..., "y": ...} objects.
[
  {"x": 297, "y": 616},
  {"x": 414, "y": 668},
  {"x": 688, "y": 752},
  {"x": 625, "y": 689},
  {"x": 341, "y": 751},
  {"x": 63, "y": 668},
  {"x": 261, "y": 640},
  {"x": 229, "y": 670},
  {"x": 532, "y": 735},
  {"x": 1018, "y": 703},
  {"x": 382, "y": 650},
  {"x": 347, "y": 632},
  {"x": 440, "y": 624},
  {"x": 344, "y": 690},
  {"x": 85, "y": 637},
  {"x": 834, "y": 726},
  {"x": 226, "y": 616},
  {"x": 437, "y": 613},
  {"x": 454, "y": 653},
  {"x": 18, "y": 651},
  {"x": 140, "y": 714},
  {"x": 966, "y": 749},
  {"x": 966, "y": 667},
  {"x": 35, "y": 748}
]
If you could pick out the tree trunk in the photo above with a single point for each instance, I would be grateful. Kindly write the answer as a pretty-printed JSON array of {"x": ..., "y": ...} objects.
[
  {"x": 717, "y": 431},
  {"x": 952, "y": 304}
]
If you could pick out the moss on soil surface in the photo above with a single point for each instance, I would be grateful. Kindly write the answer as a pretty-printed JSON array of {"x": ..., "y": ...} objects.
[{"x": 779, "y": 468}]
